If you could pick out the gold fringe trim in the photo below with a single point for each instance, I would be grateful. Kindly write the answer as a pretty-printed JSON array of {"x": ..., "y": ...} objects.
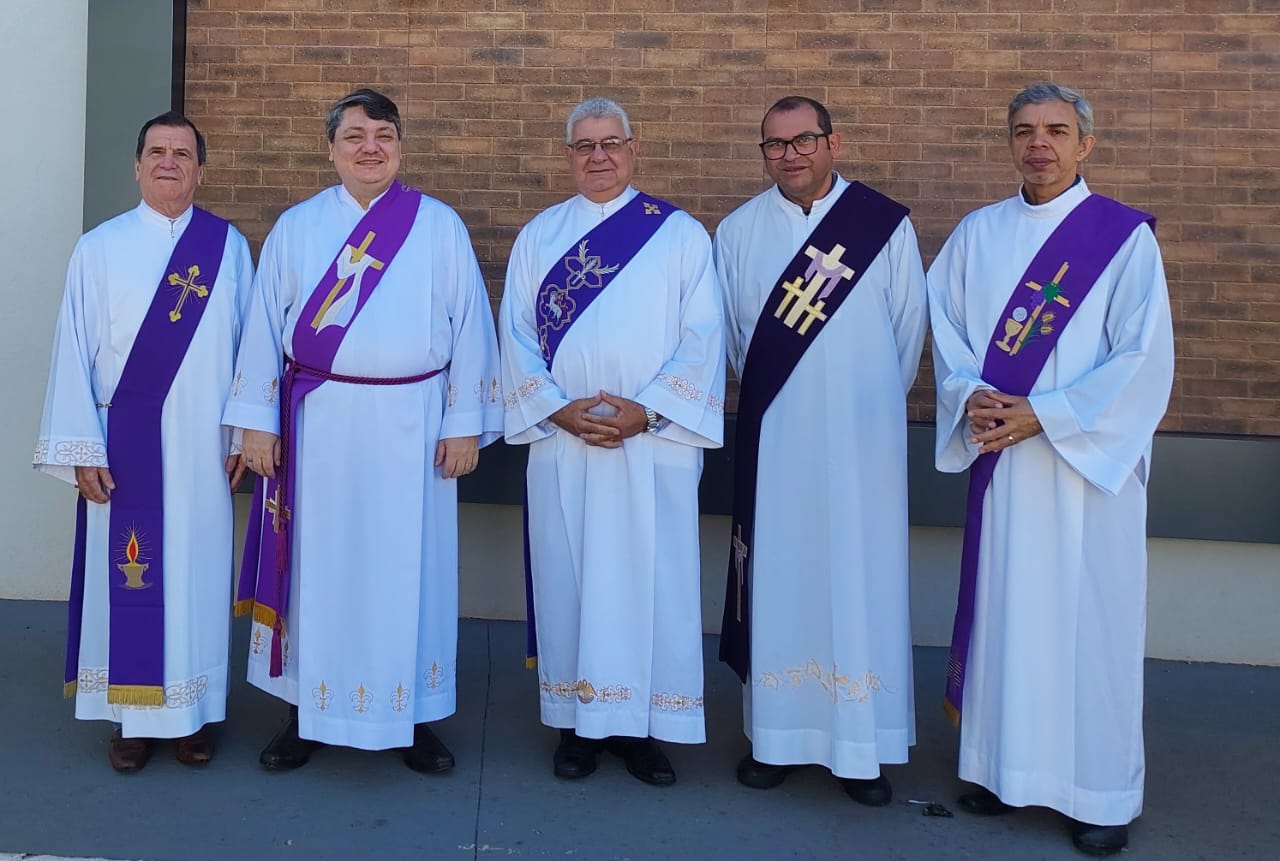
[
  {"x": 953, "y": 714},
  {"x": 243, "y": 607},
  {"x": 529, "y": 663},
  {"x": 135, "y": 695},
  {"x": 264, "y": 615},
  {"x": 69, "y": 689}
]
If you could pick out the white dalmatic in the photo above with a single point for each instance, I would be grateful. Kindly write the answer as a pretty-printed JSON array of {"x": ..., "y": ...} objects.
[
  {"x": 371, "y": 630},
  {"x": 1052, "y": 710},
  {"x": 614, "y": 532},
  {"x": 111, "y": 281},
  {"x": 831, "y": 679}
]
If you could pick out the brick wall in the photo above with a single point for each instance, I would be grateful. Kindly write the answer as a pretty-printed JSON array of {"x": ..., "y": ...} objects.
[{"x": 1186, "y": 96}]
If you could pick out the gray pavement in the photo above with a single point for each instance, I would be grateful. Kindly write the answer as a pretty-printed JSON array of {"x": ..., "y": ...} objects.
[{"x": 1213, "y": 755}]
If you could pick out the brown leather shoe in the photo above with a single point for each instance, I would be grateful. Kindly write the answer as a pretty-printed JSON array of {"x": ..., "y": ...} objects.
[
  {"x": 128, "y": 755},
  {"x": 195, "y": 749}
]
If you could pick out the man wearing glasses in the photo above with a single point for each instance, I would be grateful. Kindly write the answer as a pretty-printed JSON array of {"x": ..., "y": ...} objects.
[
  {"x": 816, "y": 619},
  {"x": 613, "y": 368}
]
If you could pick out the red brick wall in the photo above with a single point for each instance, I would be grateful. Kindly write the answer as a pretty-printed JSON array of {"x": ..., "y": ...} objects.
[{"x": 1186, "y": 96}]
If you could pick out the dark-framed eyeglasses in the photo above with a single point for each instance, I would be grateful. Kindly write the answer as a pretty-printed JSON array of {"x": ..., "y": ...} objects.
[
  {"x": 805, "y": 144},
  {"x": 611, "y": 146}
]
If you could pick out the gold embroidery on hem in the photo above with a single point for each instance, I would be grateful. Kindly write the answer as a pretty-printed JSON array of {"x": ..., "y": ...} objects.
[
  {"x": 400, "y": 698},
  {"x": 322, "y": 696},
  {"x": 839, "y": 686},
  {"x": 675, "y": 702},
  {"x": 586, "y": 692},
  {"x": 361, "y": 700},
  {"x": 176, "y": 695},
  {"x": 269, "y": 390}
]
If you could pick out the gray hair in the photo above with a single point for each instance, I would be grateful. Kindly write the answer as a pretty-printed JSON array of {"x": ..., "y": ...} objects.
[
  {"x": 375, "y": 105},
  {"x": 1044, "y": 91},
  {"x": 597, "y": 107}
]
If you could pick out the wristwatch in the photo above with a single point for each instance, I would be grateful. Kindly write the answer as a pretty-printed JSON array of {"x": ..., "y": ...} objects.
[{"x": 650, "y": 420}]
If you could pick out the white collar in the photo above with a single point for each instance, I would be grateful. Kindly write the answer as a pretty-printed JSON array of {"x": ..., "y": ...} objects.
[{"x": 604, "y": 210}]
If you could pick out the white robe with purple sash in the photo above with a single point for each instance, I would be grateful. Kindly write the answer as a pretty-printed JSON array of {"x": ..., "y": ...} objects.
[
  {"x": 111, "y": 281},
  {"x": 614, "y": 532},
  {"x": 371, "y": 630},
  {"x": 1053, "y": 696},
  {"x": 831, "y": 679}
]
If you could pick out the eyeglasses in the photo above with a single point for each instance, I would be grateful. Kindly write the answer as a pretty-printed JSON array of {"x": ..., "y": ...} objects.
[
  {"x": 611, "y": 146},
  {"x": 805, "y": 144}
]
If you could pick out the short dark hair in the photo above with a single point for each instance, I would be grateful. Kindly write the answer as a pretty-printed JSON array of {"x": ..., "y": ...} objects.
[
  {"x": 791, "y": 103},
  {"x": 375, "y": 105},
  {"x": 172, "y": 119}
]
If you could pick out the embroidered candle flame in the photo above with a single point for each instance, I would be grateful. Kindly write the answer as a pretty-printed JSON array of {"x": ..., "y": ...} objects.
[{"x": 132, "y": 570}]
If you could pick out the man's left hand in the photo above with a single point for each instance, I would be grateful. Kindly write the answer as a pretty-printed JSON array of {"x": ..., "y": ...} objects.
[
  {"x": 1015, "y": 419},
  {"x": 236, "y": 468},
  {"x": 458, "y": 455},
  {"x": 630, "y": 419}
]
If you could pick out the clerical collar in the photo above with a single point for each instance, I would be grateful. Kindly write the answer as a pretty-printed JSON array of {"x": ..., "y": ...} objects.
[
  {"x": 609, "y": 207},
  {"x": 821, "y": 204},
  {"x": 1023, "y": 191},
  {"x": 173, "y": 225}
]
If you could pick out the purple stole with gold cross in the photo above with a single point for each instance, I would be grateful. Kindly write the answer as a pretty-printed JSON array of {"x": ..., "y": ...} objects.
[
  {"x": 578, "y": 277},
  {"x": 136, "y": 563},
  {"x": 329, "y": 312},
  {"x": 810, "y": 289},
  {"x": 1039, "y": 309}
]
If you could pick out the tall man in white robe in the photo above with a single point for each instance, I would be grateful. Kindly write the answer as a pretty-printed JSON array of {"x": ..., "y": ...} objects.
[
  {"x": 117, "y": 273},
  {"x": 616, "y": 401},
  {"x": 830, "y": 631},
  {"x": 1054, "y": 621},
  {"x": 365, "y": 648}
]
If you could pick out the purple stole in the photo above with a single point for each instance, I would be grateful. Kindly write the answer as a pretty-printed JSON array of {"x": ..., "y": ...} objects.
[
  {"x": 135, "y": 676},
  {"x": 810, "y": 289},
  {"x": 573, "y": 283},
  {"x": 1035, "y": 316},
  {"x": 327, "y": 316}
]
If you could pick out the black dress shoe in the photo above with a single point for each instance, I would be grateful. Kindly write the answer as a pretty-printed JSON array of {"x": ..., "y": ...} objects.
[
  {"x": 1099, "y": 839},
  {"x": 644, "y": 759},
  {"x": 760, "y": 775},
  {"x": 287, "y": 750},
  {"x": 875, "y": 792},
  {"x": 428, "y": 754},
  {"x": 575, "y": 756},
  {"x": 983, "y": 802}
]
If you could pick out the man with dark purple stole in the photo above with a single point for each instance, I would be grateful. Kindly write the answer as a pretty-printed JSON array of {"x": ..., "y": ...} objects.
[
  {"x": 366, "y": 384},
  {"x": 1053, "y": 351},
  {"x": 144, "y": 346},
  {"x": 613, "y": 365},
  {"x": 825, "y": 303}
]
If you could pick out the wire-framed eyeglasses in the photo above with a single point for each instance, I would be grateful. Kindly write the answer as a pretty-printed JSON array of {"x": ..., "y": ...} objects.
[
  {"x": 610, "y": 145},
  {"x": 805, "y": 144}
]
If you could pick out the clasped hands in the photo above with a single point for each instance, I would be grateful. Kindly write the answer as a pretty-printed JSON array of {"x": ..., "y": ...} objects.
[
  {"x": 998, "y": 421},
  {"x": 603, "y": 431}
]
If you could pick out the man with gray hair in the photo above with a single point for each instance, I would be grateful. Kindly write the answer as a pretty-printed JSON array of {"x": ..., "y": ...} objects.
[
  {"x": 366, "y": 383},
  {"x": 1053, "y": 352},
  {"x": 613, "y": 365}
]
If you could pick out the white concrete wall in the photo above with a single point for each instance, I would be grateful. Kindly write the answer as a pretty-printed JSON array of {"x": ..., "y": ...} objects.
[
  {"x": 42, "y": 43},
  {"x": 1207, "y": 600}
]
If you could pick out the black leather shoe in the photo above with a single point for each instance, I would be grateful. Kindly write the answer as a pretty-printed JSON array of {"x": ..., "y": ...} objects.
[
  {"x": 644, "y": 759},
  {"x": 287, "y": 750},
  {"x": 428, "y": 754},
  {"x": 1099, "y": 839},
  {"x": 983, "y": 802},
  {"x": 874, "y": 792},
  {"x": 575, "y": 756},
  {"x": 760, "y": 775}
]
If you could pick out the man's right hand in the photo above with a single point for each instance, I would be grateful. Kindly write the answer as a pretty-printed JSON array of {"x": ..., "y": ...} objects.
[
  {"x": 261, "y": 452},
  {"x": 95, "y": 483},
  {"x": 575, "y": 418}
]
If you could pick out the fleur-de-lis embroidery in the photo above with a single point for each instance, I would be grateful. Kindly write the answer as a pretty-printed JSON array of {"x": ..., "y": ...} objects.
[
  {"x": 258, "y": 643},
  {"x": 269, "y": 390},
  {"x": 361, "y": 700},
  {"x": 434, "y": 676},
  {"x": 399, "y": 698},
  {"x": 323, "y": 696},
  {"x": 238, "y": 386}
]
